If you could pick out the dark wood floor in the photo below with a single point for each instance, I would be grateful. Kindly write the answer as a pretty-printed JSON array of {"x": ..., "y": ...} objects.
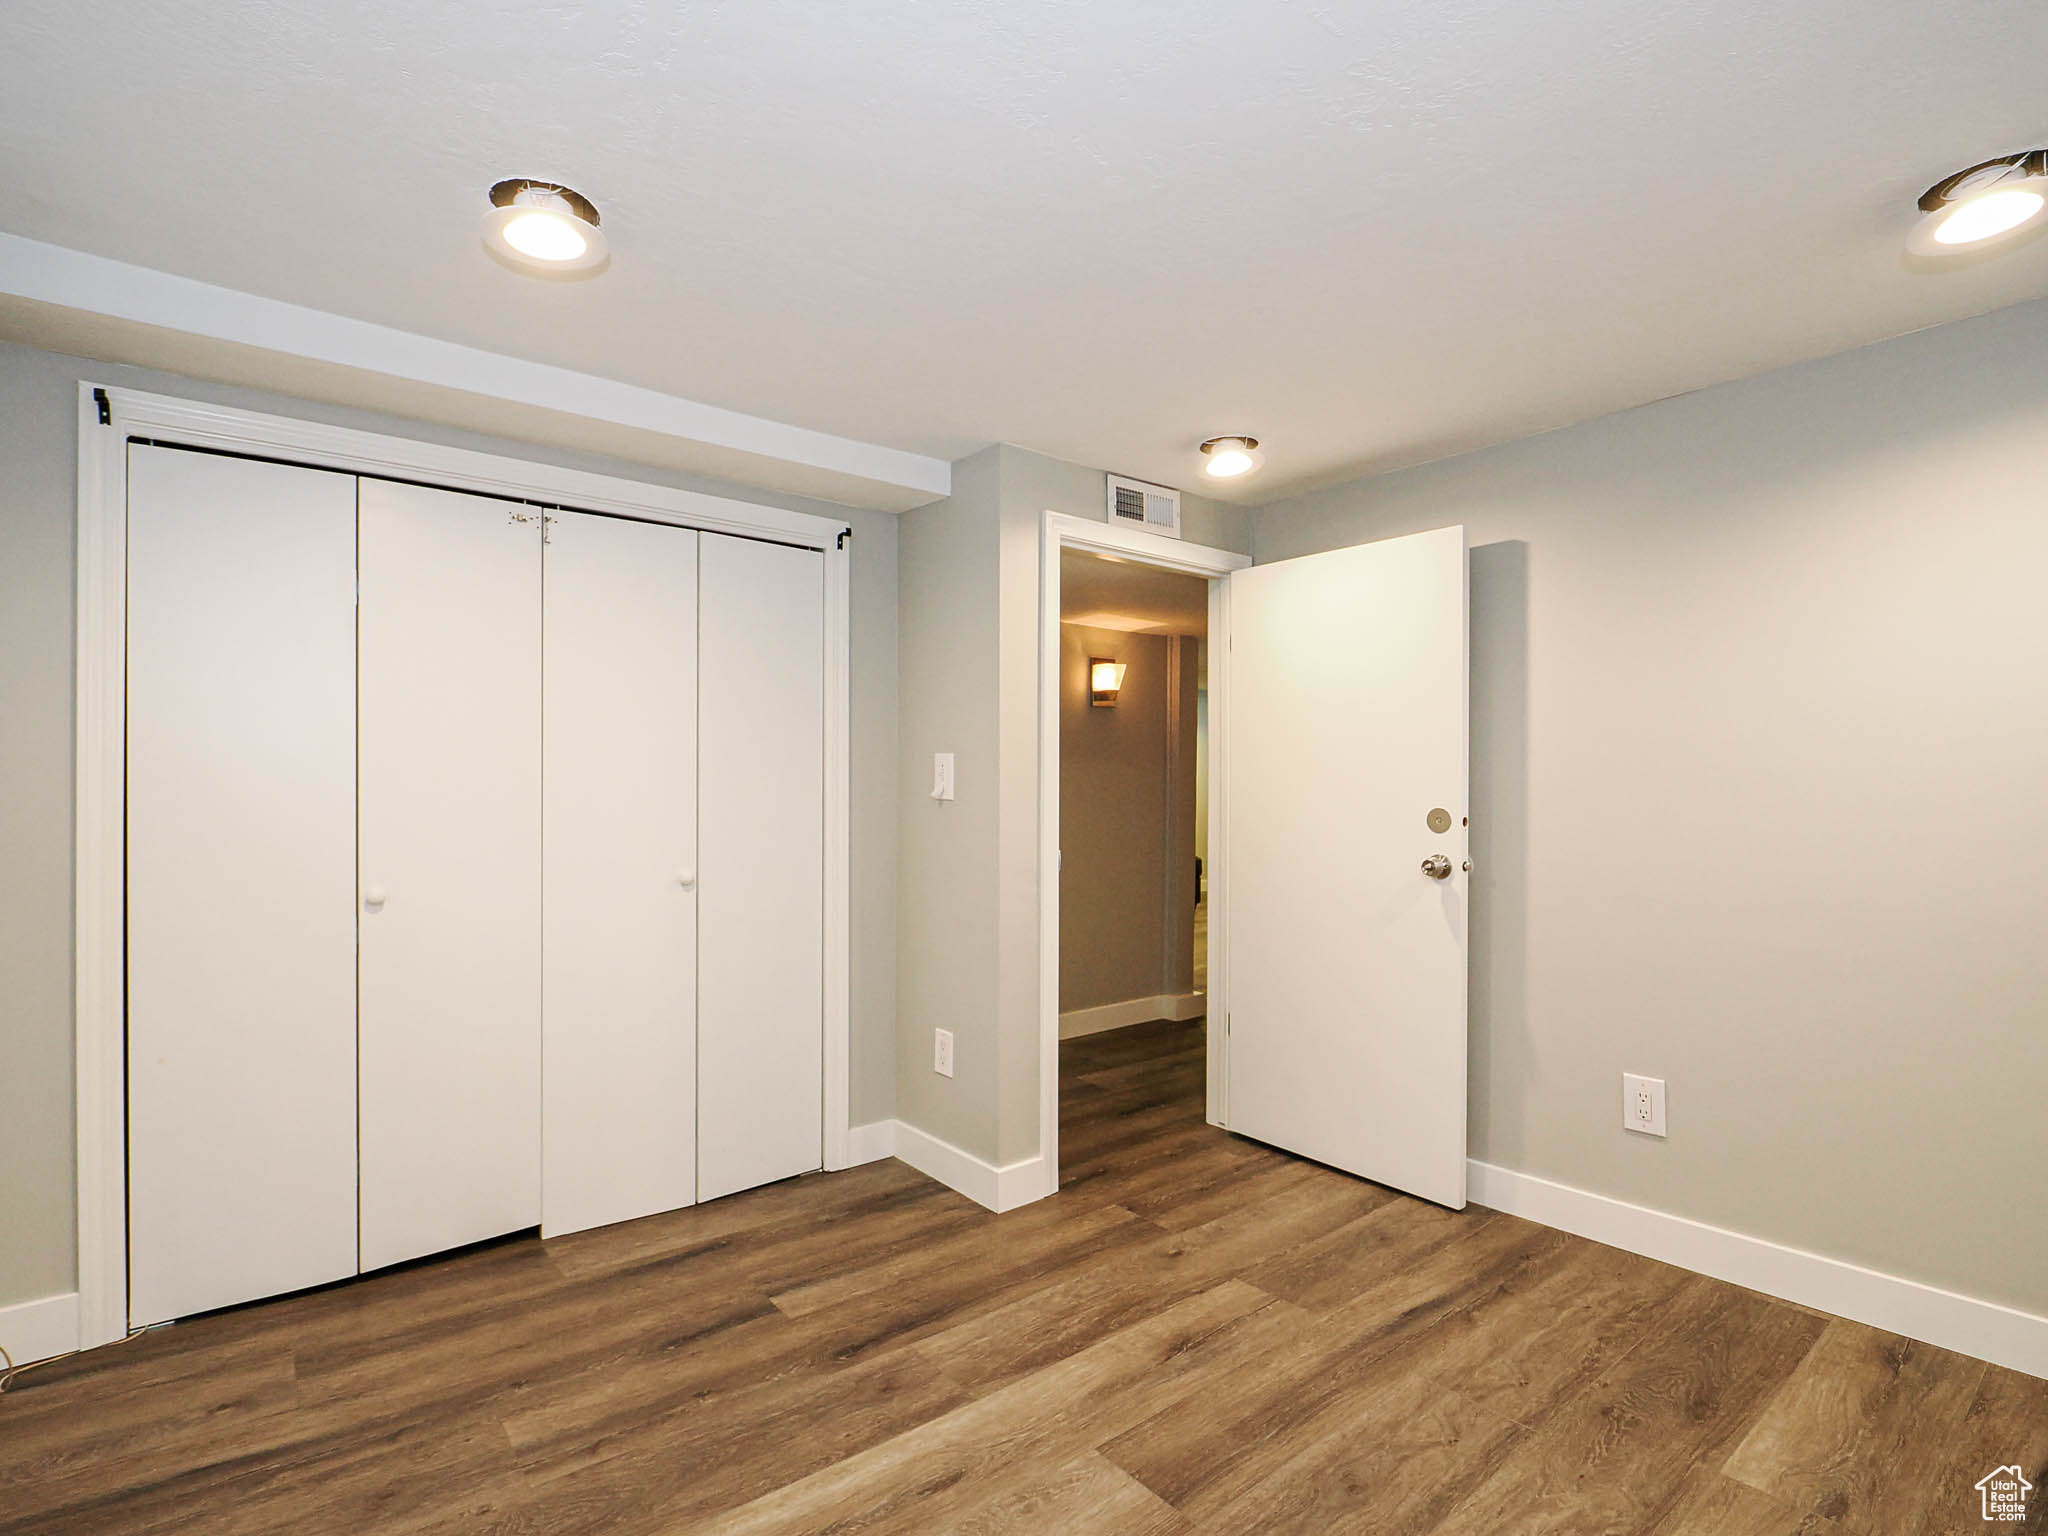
[{"x": 1198, "y": 1334}]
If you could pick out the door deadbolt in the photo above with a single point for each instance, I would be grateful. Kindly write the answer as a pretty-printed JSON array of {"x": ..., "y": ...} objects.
[{"x": 1439, "y": 820}]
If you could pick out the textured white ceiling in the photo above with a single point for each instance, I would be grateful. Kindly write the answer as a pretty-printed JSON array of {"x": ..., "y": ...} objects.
[{"x": 1369, "y": 233}]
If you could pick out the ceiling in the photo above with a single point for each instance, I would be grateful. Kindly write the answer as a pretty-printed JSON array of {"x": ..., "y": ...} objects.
[
  {"x": 1369, "y": 233},
  {"x": 1103, "y": 592}
]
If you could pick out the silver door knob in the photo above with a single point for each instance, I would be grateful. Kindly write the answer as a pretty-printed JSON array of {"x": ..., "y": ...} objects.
[{"x": 1437, "y": 867}]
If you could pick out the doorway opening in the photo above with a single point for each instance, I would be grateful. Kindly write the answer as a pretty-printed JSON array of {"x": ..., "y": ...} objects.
[
  {"x": 1133, "y": 919},
  {"x": 1130, "y": 880}
]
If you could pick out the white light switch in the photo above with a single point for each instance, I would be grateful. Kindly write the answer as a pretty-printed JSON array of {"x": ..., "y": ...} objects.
[{"x": 942, "y": 775}]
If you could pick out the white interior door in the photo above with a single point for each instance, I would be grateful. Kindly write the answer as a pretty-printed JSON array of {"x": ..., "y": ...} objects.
[
  {"x": 619, "y": 901},
  {"x": 760, "y": 910},
  {"x": 1347, "y": 731},
  {"x": 450, "y": 755},
  {"x": 241, "y": 873}
]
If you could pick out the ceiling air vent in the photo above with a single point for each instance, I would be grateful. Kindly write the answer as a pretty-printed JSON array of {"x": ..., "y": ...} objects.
[{"x": 1138, "y": 504}]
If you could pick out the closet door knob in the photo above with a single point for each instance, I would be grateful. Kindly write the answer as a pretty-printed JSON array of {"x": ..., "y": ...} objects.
[
  {"x": 687, "y": 879},
  {"x": 373, "y": 895}
]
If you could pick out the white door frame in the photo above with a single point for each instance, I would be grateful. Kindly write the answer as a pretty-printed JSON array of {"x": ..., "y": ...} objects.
[
  {"x": 108, "y": 418},
  {"x": 1062, "y": 531}
]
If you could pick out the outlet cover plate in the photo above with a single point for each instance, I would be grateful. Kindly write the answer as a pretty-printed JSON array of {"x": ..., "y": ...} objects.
[
  {"x": 942, "y": 1052},
  {"x": 1642, "y": 1104}
]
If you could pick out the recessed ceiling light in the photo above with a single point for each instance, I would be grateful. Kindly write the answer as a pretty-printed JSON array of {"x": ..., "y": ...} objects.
[
  {"x": 542, "y": 227},
  {"x": 1231, "y": 458},
  {"x": 1984, "y": 204}
]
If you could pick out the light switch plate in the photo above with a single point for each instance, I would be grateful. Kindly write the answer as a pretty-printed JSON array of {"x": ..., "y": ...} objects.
[
  {"x": 1642, "y": 1104},
  {"x": 942, "y": 775}
]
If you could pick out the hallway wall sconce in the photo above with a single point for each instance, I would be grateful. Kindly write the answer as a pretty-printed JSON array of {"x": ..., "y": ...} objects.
[{"x": 1104, "y": 679}]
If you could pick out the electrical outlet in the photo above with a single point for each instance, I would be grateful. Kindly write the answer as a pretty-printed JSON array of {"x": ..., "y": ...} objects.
[
  {"x": 1642, "y": 1104},
  {"x": 942, "y": 1052}
]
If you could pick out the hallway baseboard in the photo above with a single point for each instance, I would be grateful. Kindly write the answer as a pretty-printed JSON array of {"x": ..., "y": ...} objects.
[{"x": 1136, "y": 1010}]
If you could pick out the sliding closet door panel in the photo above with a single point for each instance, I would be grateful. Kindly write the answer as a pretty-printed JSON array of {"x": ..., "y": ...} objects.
[
  {"x": 450, "y": 869},
  {"x": 241, "y": 873},
  {"x": 760, "y": 919},
  {"x": 619, "y": 904}
]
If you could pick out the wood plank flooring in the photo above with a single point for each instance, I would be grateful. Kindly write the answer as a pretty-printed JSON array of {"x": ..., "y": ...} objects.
[{"x": 1197, "y": 1335}]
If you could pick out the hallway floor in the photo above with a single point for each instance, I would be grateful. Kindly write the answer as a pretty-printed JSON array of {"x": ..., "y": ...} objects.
[{"x": 1197, "y": 1334}]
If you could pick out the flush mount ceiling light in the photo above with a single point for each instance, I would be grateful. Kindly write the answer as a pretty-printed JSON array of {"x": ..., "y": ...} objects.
[
  {"x": 1984, "y": 205},
  {"x": 541, "y": 227},
  {"x": 1231, "y": 458}
]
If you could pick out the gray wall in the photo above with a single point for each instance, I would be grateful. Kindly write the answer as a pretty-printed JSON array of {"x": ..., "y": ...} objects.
[
  {"x": 38, "y": 478},
  {"x": 967, "y": 955},
  {"x": 946, "y": 895},
  {"x": 38, "y": 504},
  {"x": 1760, "y": 735},
  {"x": 1127, "y": 821},
  {"x": 1113, "y": 821}
]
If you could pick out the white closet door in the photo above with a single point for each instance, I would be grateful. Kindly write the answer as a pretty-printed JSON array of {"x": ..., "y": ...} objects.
[
  {"x": 619, "y": 914},
  {"x": 241, "y": 870},
  {"x": 450, "y": 869},
  {"x": 760, "y": 914}
]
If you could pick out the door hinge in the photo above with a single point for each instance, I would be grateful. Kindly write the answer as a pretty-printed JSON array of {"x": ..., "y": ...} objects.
[
  {"x": 99, "y": 398},
  {"x": 844, "y": 535},
  {"x": 1226, "y": 1026}
]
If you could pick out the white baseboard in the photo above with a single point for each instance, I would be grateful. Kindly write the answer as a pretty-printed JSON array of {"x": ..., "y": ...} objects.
[
  {"x": 1985, "y": 1329},
  {"x": 36, "y": 1330},
  {"x": 1000, "y": 1189},
  {"x": 1136, "y": 1010},
  {"x": 870, "y": 1143}
]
